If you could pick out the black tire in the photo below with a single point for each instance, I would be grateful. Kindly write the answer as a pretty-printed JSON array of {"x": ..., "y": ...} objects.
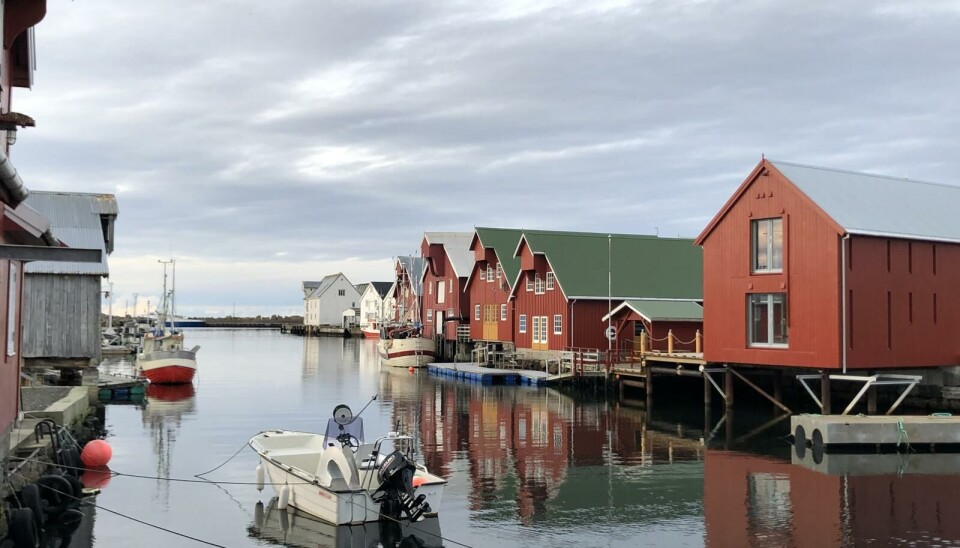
[
  {"x": 23, "y": 529},
  {"x": 30, "y": 498},
  {"x": 816, "y": 443},
  {"x": 57, "y": 491},
  {"x": 800, "y": 441},
  {"x": 74, "y": 464},
  {"x": 69, "y": 520},
  {"x": 77, "y": 489}
]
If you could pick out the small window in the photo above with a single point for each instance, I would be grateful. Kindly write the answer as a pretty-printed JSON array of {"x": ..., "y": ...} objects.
[
  {"x": 489, "y": 273},
  {"x": 503, "y": 312},
  {"x": 429, "y": 315},
  {"x": 483, "y": 274},
  {"x": 767, "y": 319},
  {"x": 449, "y": 312},
  {"x": 529, "y": 283},
  {"x": 430, "y": 289},
  {"x": 557, "y": 324},
  {"x": 450, "y": 288},
  {"x": 499, "y": 271},
  {"x": 441, "y": 294},
  {"x": 476, "y": 312},
  {"x": 522, "y": 323},
  {"x": 767, "y": 245},
  {"x": 550, "y": 281},
  {"x": 342, "y": 292},
  {"x": 538, "y": 285}
]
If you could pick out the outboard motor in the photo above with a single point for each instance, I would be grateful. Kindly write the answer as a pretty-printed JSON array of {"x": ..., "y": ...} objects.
[{"x": 395, "y": 494}]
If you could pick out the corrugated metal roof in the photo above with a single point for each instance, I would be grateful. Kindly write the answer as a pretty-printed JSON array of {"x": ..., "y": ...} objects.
[
  {"x": 414, "y": 267},
  {"x": 666, "y": 310},
  {"x": 75, "y": 221},
  {"x": 877, "y": 205},
  {"x": 457, "y": 247},
  {"x": 641, "y": 266},
  {"x": 504, "y": 242}
]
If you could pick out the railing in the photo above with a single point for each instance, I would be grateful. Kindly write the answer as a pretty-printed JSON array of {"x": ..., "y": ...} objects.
[{"x": 672, "y": 341}]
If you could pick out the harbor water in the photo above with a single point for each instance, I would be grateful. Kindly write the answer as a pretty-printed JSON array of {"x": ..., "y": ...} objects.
[{"x": 526, "y": 466}]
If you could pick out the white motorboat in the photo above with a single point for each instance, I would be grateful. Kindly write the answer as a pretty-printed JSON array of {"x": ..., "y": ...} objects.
[
  {"x": 404, "y": 347},
  {"x": 341, "y": 479}
]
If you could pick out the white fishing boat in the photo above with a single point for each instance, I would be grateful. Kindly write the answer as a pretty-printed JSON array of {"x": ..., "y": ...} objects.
[
  {"x": 163, "y": 358},
  {"x": 405, "y": 347},
  {"x": 341, "y": 479}
]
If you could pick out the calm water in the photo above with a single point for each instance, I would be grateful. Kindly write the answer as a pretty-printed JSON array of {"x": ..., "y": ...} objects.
[{"x": 526, "y": 466}]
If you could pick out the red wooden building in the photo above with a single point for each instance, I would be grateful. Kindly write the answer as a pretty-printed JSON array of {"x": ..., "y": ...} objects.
[
  {"x": 662, "y": 320},
  {"x": 445, "y": 304},
  {"x": 490, "y": 283},
  {"x": 407, "y": 288},
  {"x": 569, "y": 281},
  {"x": 815, "y": 267}
]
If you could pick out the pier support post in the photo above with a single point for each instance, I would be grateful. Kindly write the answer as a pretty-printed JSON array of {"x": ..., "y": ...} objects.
[
  {"x": 778, "y": 385},
  {"x": 728, "y": 387},
  {"x": 648, "y": 387},
  {"x": 825, "y": 392},
  {"x": 707, "y": 390},
  {"x": 872, "y": 401}
]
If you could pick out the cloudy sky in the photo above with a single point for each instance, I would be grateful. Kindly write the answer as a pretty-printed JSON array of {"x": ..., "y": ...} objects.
[{"x": 264, "y": 143}]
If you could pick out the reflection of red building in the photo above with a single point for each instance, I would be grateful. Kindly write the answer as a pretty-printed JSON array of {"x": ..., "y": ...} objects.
[{"x": 751, "y": 500}]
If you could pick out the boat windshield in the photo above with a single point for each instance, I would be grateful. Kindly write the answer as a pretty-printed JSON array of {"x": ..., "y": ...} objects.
[{"x": 353, "y": 428}]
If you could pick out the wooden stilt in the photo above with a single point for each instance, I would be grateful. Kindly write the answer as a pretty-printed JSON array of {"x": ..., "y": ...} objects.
[
  {"x": 728, "y": 427},
  {"x": 728, "y": 387},
  {"x": 707, "y": 391},
  {"x": 872, "y": 401},
  {"x": 648, "y": 382},
  {"x": 825, "y": 391}
]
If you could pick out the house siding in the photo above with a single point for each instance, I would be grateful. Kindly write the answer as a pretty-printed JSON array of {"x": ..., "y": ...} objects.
[
  {"x": 548, "y": 304},
  {"x": 440, "y": 269},
  {"x": 61, "y": 318},
  {"x": 490, "y": 293}
]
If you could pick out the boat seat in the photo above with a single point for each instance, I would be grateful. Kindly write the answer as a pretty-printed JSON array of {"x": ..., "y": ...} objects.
[{"x": 336, "y": 466}]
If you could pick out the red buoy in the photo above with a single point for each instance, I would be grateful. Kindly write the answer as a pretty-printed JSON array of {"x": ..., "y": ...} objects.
[
  {"x": 96, "y": 453},
  {"x": 410, "y": 369},
  {"x": 97, "y": 478}
]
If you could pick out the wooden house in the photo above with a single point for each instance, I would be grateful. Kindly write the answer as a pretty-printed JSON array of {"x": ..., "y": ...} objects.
[
  {"x": 61, "y": 319},
  {"x": 569, "y": 281},
  {"x": 669, "y": 325},
  {"x": 490, "y": 283},
  {"x": 445, "y": 304},
  {"x": 406, "y": 291},
  {"x": 326, "y": 304},
  {"x": 816, "y": 267},
  {"x": 375, "y": 303}
]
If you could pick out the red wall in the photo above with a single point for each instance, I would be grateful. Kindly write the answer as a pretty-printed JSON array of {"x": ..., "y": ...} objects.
[
  {"x": 9, "y": 365},
  {"x": 440, "y": 269},
  {"x": 810, "y": 277},
  {"x": 906, "y": 334},
  {"x": 548, "y": 304},
  {"x": 484, "y": 292}
]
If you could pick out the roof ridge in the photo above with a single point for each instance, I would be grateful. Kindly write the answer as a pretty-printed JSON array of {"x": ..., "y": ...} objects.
[
  {"x": 608, "y": 234},
  {"x": 865, "y": 174}
]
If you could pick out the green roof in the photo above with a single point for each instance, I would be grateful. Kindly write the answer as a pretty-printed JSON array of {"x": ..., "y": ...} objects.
[
  {"x": 665, "y": 310},
  {"x": 641, "y": 266},
  {"x": 504, "y": 243}
]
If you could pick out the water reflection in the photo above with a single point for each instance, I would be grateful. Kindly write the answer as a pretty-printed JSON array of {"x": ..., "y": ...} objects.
[
  {"x": 162, "y": 415},
  {"x": 293, "y": 528}
]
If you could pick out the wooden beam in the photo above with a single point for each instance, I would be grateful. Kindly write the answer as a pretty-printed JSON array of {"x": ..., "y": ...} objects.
[
  {"x": 42, "y": 253},
  {"x": 759, "y": 390}
]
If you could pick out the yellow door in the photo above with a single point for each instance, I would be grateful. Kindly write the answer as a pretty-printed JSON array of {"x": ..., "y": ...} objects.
[{"x": 489, "y": 322}]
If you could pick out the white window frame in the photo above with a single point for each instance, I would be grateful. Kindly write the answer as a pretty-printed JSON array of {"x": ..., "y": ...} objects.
[
  {"x": 483, "y": 273},
  {"x": 771, "y": 245},
  {"x": 538, "y": 285},
  {"x": 551, "y": 279},
  {"x": 558, "y": 324},
  {"x": 489, "y": 273},
  {"x": 536, "y": 330},
  {"x": 429, "y": 315},
  {"x": 441, "y": 294},
  {"x": 499, "y": 271},
  {"x": 771, "y": 319},
  {"x": 13, "y": 292},
  {"x": 529, "y": 283},
  {"x": 476, "y": 312},
  {"x": 522, "y": 323},
  {"x": 503, "y": 312}
]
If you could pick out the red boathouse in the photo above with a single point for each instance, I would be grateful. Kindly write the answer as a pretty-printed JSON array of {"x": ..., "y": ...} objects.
[{"x": 490, "y": 283}]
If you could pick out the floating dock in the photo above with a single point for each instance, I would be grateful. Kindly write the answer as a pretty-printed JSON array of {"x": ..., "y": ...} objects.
[
  {"x": 473, "y": 372},
  {"x": 826, "y": 431},
  {"x": 121, "y": 388}
]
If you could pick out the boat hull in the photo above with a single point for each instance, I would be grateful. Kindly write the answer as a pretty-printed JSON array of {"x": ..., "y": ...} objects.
[
  {"x": 409, "y": 352},
  {"x": 370, "y": 333},
  {"x": 172, "y": 367}
]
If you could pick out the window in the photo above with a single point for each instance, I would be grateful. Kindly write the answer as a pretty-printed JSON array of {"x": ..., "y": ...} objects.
[
  {"x": 449, "y": 312},
  {"x": 767, "y": 319},
  {"x": 489, "y": 273},
  {"x": 550, "y": 281},
  {"x": 557, "y": 324},
  {"x": 483, "y": 273},
  {"x": 342, "y": 292},
  {"x": 13, "y": 289},
  {"x": 476, "y": 312},
  {"x": 429, "y": 315},
  {"x": 529, "y": 283},
  {"x": 522, "y": 323},
  {"x": 767, "y": 245},
  {"x": 441, "y": 294},
  {"x": 450, "y": 288},
  {"x": 430, "y": 289},
  {"x": 536, "y": 330},
  {"x": 538, "y": 285},
  {"x": 499, "y": 271},
  {"x": 503, "y": 312}
]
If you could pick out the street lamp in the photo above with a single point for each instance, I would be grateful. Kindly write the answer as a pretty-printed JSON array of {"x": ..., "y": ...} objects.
[{"x": 10, "y": 121}]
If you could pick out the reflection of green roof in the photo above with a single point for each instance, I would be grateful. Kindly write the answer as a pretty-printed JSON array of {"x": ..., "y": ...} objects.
[
  {"x": 641, "y": 266},
  {"x": 663, "y": 310},
  {"x": 504, "y": 242}
]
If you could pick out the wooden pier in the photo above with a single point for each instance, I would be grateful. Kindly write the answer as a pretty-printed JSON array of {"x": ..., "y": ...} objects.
[{"x": 472, "y": 372}]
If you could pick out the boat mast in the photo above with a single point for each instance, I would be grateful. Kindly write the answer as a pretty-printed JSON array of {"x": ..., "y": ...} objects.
[{"x": 166, "y": 297}]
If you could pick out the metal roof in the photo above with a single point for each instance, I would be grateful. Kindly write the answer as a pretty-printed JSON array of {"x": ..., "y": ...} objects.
[
  {"x": 457, "y": 247},
  {"x": 664, "y": 310},
  {"x": 325, "y": 283},
  {"x": 382, "y": 288},
  {"x": 75, "y": 221},
  {"x": 503, "y": 241},
  {"x": 641, "y": 266},
  {"x": 414, "y": 267},
  {"x": 876, "y": 205}
]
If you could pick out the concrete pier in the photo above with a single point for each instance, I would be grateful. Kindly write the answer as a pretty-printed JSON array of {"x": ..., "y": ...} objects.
[{"x": 824, "y": 431}]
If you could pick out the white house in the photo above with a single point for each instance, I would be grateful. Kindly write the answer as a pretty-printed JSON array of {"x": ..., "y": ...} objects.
[
  {"x": 324, "y": 305},
  {"x": 375, "y": 304}
]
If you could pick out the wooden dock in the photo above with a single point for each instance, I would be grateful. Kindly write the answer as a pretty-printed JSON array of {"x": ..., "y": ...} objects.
[
  {"x": 472, "y": 372},
  {"x": 825, "y": 431}
]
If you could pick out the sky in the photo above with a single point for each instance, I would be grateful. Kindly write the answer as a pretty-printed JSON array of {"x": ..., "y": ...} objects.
[{"x": 261, "y": 144}]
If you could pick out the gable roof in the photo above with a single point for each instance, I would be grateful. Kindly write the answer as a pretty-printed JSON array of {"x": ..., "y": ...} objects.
[
  {"x": 664, "y": 310},
  {"x": 867, "y": 204},
  {"x": 503, "y": 241},
  {"x": 414, "y": 267},
  {"x": 457, "y": 247},
  {"x": 326, "y": 283},
  {"x": 75, "y": 221},
  {"x": 382, "y": 288},
  {"x": 641, "y": 266},
  {"x": 361, "y": 288}
]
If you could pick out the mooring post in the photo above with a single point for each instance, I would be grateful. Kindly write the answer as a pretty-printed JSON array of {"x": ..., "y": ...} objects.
[
  {"x": 825, "y": 392},
  {"x": 728, "y": 387}
]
